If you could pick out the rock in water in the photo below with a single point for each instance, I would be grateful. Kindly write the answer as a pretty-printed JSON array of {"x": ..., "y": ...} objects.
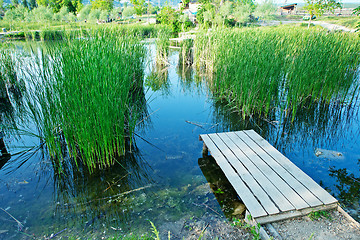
[{"x": 329, "y": 154}]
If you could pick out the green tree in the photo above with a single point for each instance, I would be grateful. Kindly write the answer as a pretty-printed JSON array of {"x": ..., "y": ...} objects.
[
  {"x": 318, "y": 7},
  {"x": 85, "y": 12},
  {"x": 32, "y": 4},
  {"x": 40, "y": 14},
  {"x": 2, "y": 8},
  {"x": 357, "y": 12},
  {"x": 139, "y": 6},
  {"x": 106, "y": 5},
  {"x": 265, "y": 9},
  {"x": 168, "y": 16},
  {"x": 16, "y": 14},
  {"x": 243, "y": 12},
  {"x": 128, "y": 12},
  {"x": 25, "y": 4}
]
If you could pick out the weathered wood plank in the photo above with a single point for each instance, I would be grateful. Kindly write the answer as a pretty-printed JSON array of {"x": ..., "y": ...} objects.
[
  {"x": 308, "y": 182},
  {"x": 281, "y": 178},
  {"x": 257, "y": 190},
  {"x": 293, "y": 214},
  {"x": 235, "y": 144},
  {"x": 240, "y": 187}
]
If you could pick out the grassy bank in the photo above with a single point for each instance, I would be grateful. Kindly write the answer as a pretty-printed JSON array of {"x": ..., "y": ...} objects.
[
  {"x": 85, "y": 95},
  {"x": 59, "y": 32},
  {"x": 257, "y": 70},
  {"x": 347, "y": 21}
]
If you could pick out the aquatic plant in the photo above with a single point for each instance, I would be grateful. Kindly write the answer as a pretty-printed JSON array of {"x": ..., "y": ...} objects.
[
  {"x": 162, "y": 46},
  {"x": 84, "y": 96},
  {"x": 186, "y": 53},
  {"x": 283, "y": 68}
]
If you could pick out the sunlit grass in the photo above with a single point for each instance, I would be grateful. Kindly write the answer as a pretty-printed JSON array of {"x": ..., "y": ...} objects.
[
  {"x": 257, "y": 70},
  {"x": 85, "y": 94}
]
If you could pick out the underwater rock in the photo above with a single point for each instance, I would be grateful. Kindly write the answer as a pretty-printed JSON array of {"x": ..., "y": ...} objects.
[
  {"x": 239, "y": 210},
  {"x": 201, "y": 190},
  {"x": 328, "y": 154}
]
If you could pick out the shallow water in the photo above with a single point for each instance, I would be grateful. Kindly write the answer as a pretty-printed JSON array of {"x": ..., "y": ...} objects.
[{"x": 165, "y": 178}]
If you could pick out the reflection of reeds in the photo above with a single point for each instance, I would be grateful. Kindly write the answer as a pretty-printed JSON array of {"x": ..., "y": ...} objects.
[
  {"x": 106, "y": 193},
  {"x": 11, "y": 89},
  {"x": 158, "y": 79},
  {"x": 84, "y": 96},
  {"x": 262, "y": 69}
]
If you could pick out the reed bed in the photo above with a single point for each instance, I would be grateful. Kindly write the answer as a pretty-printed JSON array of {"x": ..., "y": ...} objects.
[
  {"x": 257, "y": 70},
  {"x": 86, "y": 96},
  {"x": 162, "y": 46}
]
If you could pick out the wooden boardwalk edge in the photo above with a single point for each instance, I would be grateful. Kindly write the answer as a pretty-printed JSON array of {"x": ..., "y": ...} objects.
[{"x": 254, "y": 167}]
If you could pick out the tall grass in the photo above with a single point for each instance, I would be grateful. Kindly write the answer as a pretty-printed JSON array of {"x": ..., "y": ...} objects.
[
  {"x": 84, "y": 96},
  {"x": 162, "y": 46},
  {"x": 258, "y": 70}
]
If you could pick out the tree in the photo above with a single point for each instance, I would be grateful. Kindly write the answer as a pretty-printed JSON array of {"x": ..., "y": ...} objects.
[
  {"x": 318, "y": 7},
  {"x": 139, "y": 6},
  {"x": 265, "y": 9},
  {"x": 106, "y": 5},
  {"x": 25, "y": 4},
  {"x": 2, "y": 8},
  {"x": 16, "y": 14},
  {"x": 128, "y": 12},
  {"x": 170, "y": 17},
  {"x": 32, "y": 4},
  {"x": 357, "y": 12}
]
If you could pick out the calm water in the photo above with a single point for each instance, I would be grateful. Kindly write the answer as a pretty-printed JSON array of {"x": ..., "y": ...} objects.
[{"x": 164, "y": 178}]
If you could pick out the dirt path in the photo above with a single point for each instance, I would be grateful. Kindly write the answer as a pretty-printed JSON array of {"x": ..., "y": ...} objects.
[{"x": 332, "y": 227}]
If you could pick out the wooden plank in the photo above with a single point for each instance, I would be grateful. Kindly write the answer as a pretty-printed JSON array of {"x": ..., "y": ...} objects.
[
  {"x": 348, "y": 217},
  {"x": 255, "y": 187},
  {"x": 308, "y": 182},
  {"x": 242, "y": 190},
  {"x": 279, "y": 176},
  {"x": 282, "y": 203},
  {"x": 293, "y": 214}
]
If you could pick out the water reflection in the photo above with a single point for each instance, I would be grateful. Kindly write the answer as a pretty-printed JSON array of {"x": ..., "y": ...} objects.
[
  {"x": 158, "y": 79},
  {"x": 107, "y": 194},
  {"x": 348, "y": 188},
  {"x": 221, "y": 188}
]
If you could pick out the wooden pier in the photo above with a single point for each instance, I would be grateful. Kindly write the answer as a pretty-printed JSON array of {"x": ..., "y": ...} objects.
[{"x": 270, "y": 185}]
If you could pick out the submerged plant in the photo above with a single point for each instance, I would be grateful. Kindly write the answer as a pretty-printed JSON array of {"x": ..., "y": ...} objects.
[{"x": 85, "y": 96}]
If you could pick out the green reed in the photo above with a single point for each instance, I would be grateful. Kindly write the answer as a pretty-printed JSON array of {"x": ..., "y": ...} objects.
[
  {"x": 85, "y": 96},
  {"x": 162, "y": 46},
  {"x": 261, "y": 69}
]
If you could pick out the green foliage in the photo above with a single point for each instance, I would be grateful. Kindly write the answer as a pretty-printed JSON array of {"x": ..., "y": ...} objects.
[
  {"x": 254, "y": 230},
  {"x": 219, "y": 191},
  {"x": 139, "y": 6},
  {"x": 282, "y": 68},
  {"x": 40, "y": 14},
  {"x": 357, "y": 12},
  {"x": 162, "y": 46},
  {"x": 265, "y": 10},
  {"x": 105, "y": 5},
  {"x": 318, "y": 7},
  {"x": 168, "y": 16},
  {"x": 18, "y": 13},
  {"x": 155, "y": 232},
  {"x": 87, "y": 101},
  {"x": 319, "y": 214},
  {"x": 128, "y": 12}
]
